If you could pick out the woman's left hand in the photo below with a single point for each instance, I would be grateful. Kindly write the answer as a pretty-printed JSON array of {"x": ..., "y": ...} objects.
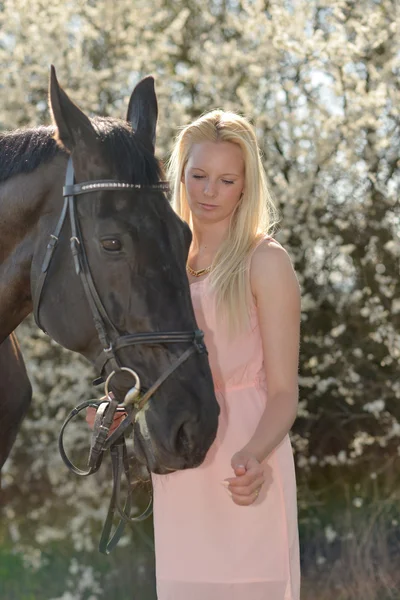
[{"x": 249, "y": 479}]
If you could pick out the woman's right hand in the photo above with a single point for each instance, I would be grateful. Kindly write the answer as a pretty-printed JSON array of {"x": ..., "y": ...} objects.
[{"x": 119, "y": 416}]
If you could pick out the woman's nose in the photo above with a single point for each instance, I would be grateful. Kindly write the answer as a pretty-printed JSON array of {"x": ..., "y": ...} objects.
[{"x": 210, "y": 190}]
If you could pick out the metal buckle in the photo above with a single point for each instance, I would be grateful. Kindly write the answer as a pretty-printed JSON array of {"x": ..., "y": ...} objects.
[{"x": 132, "y": 394}]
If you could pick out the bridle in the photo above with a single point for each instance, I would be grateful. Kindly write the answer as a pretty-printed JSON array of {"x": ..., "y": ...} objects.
[
  {"x": 109, "y": 337},
  {"x": 111, "y": 342}
]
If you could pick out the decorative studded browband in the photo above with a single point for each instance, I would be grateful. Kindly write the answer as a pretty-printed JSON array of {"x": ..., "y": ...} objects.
[{"x": 110, "y": 338}]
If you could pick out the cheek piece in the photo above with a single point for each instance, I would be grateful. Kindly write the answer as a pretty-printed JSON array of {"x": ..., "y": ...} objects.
[{"x": 111, "y": 342}]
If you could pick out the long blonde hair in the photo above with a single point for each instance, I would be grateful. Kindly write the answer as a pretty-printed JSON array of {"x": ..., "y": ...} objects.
[{"x": 255, "y": 214}]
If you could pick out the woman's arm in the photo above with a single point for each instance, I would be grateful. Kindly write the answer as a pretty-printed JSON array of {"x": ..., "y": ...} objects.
[{"x": 277, "y": 295}]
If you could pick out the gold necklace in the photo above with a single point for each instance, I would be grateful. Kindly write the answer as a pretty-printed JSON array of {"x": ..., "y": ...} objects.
[{"x": 198, "y": 273}]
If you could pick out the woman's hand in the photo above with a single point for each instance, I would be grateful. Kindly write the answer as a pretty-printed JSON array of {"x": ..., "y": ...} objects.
[
  {"x": 119, "y": 416},
  {"x": 249, "y": 479}
]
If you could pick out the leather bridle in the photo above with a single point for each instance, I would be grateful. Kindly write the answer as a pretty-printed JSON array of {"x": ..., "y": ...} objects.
[
  {"x": 109, "y": 337},
  {"x": 111, "y": 342}
]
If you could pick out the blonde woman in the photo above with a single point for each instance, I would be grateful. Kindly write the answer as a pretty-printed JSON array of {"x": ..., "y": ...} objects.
[{"x": 227, "y": 530}]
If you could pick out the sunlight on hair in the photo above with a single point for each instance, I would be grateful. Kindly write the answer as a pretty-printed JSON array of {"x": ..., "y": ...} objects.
[{"x": 255, "y": 216}]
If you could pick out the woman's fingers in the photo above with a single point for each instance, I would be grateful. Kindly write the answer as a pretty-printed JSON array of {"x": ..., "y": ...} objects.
[
  {"x": 91, "y": 415},
  {"x": 247, "y": 490},
  {"x": 118, "y": 417},
  {"x": 246, "y": 500},
  {"x": 247, "y": 479},
  {"x": 244, "y": 489}
]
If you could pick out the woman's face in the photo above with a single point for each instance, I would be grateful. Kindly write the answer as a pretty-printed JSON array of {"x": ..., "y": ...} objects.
[{"x": 214, "y": 179}]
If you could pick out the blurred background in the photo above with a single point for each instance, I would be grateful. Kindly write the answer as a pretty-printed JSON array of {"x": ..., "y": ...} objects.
[{"x": 320, "y": 81}]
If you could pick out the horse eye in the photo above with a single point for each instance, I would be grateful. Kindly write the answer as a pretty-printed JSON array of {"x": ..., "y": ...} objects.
[{"x": 111, "y": 245}]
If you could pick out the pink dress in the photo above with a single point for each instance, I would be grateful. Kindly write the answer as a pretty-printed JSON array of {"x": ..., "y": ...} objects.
[{"x": 207, "y": 547}]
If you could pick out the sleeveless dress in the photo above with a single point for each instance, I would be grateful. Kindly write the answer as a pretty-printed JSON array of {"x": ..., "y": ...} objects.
[{"x": 206, "y": 546}]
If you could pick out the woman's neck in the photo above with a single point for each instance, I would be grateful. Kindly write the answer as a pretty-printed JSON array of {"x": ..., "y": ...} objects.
[{"x": 208, "y": 238}]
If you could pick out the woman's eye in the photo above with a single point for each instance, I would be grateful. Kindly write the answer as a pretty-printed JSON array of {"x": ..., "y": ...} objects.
[
  {"x": 226, "y": 181},
  {"x": 111, "y": 245},
  {"x": 198, "y": 176}
]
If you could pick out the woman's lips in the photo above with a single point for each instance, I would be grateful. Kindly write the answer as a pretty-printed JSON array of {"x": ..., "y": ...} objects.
[{"x": 208, "y": 206}]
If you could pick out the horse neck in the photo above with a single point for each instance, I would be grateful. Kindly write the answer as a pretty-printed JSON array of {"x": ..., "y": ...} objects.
[{"x": 24, "y": 200}]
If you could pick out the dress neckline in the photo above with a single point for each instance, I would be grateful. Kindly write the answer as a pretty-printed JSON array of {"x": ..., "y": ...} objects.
[{"x": 197, "y": 282}]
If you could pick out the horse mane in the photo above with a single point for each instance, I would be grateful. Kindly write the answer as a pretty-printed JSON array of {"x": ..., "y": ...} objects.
[{"x": 23, "y": 150}]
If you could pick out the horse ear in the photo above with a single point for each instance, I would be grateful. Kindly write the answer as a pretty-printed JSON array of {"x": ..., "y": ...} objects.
[
  {"x": 72, "y": 124},
  {"x": 143, "y": 112}
]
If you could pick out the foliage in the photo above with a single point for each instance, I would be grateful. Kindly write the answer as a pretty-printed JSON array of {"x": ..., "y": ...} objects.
[{"x": 320, "y": 81}]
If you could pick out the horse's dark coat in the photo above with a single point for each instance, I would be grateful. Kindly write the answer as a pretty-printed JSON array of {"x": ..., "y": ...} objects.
[
  {"x": 14, "y": 378},
  {"x": 143, "y": 286}
]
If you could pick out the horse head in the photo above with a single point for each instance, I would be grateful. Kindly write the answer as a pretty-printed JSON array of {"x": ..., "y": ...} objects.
[{"x": 129, "y": 249}]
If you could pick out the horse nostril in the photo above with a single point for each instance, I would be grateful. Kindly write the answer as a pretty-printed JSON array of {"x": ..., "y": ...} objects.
[{"x": 184, "y": 439}]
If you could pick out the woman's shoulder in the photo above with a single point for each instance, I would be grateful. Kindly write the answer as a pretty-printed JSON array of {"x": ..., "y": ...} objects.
[
  {"x": 269, "y": 263},
  {"x": 266, "y": 245}
]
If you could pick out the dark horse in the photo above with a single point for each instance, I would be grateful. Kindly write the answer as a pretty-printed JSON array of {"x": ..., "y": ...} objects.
[{"x": 135, "y": 249}]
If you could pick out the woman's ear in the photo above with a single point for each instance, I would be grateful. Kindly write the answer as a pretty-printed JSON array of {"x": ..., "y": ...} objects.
[{"x": 183, "y": 176}]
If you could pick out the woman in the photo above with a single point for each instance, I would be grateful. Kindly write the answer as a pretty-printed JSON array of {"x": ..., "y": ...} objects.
[{"x": 227, "y": 530}]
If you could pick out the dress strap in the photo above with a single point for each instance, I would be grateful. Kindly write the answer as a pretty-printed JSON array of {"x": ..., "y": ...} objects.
[
  {"x": 256, "y": 244},
  {"x": 250, "y": 255}
]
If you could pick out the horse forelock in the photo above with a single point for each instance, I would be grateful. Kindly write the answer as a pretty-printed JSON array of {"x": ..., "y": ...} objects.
[
  {"x": 24, "y": 150},
  {"x": 130, "y": 159}
]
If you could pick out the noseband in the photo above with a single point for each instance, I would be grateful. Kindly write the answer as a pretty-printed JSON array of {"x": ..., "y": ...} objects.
[
  {"x": 111, "y": 342},
  {"x": 109, "y": 336}
]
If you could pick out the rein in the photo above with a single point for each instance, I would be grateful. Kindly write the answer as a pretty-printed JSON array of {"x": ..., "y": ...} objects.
[
  {"x": 111, "y": 342},
  {"x": 115, "y": 443}
]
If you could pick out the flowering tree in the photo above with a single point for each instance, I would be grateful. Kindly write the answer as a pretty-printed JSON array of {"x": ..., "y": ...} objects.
[{"x": 320, "y": 81}]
